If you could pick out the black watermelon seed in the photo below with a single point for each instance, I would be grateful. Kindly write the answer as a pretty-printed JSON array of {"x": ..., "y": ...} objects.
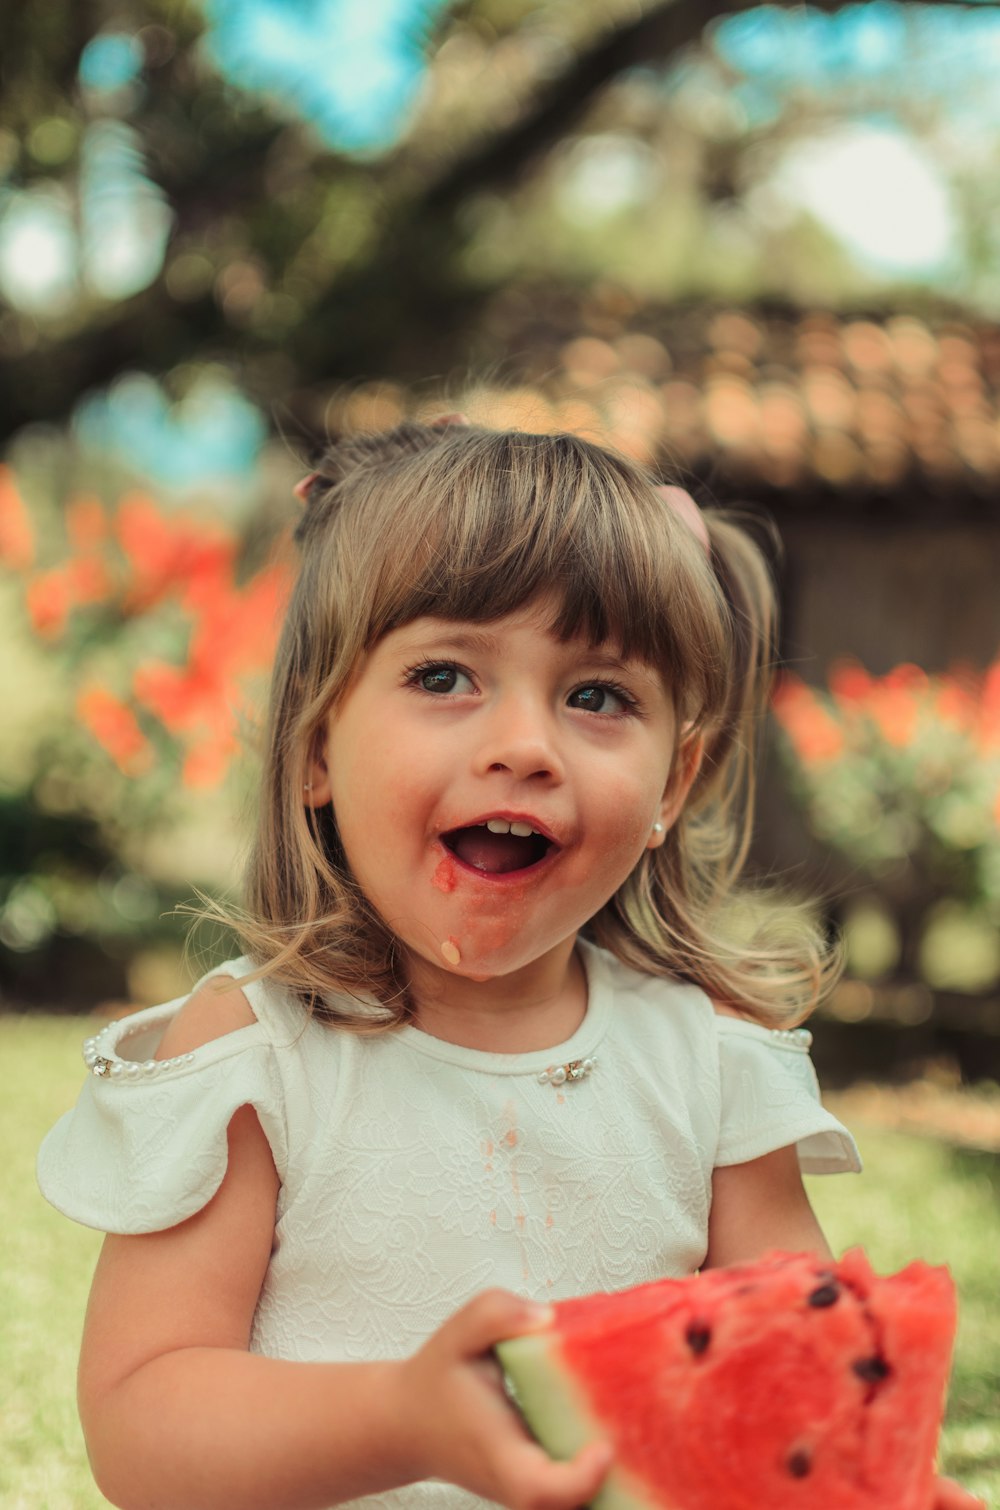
[
  {"x": 799, "y": 1463},
  {"x": 824, "y": 1295},
  {"x": 871, "y": 1370},
  {"x": 697, "y": 1337}
]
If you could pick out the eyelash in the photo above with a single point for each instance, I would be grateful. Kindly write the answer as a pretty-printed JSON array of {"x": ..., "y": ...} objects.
[
  {"x": 413, "y": 675},
  {"x": 632, "y": 708}
]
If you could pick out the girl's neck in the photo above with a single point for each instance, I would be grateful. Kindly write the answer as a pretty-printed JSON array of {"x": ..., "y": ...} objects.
[{"x": 536, "y": 1007}]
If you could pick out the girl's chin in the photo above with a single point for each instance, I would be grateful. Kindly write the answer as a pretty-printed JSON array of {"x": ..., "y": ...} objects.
[{"x": 480, "y": 963}]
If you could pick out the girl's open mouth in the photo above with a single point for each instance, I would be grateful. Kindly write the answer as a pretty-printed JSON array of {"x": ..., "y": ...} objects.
[{"x": 498, "y": 846}]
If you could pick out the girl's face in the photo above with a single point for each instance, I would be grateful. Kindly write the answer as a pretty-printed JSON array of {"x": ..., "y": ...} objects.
[{"x": 493, "y": 786}]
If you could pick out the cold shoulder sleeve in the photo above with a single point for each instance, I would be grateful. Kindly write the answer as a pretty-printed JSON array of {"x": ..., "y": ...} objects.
[
  {"x": 145, "y": 1146},
  {"x": 770, "y": 1099}
]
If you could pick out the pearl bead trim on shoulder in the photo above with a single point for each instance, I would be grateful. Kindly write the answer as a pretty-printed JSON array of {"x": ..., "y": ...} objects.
[
  {"x": 793, "y": 1038},
  {"x": 99, "y": 1063}
]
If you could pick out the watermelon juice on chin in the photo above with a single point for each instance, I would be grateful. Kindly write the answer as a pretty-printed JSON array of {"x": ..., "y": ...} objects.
[{"x": 792, "y": 1383}]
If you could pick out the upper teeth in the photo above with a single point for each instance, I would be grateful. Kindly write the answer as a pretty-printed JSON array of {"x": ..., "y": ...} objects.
[{"x": 504, "y": 826}]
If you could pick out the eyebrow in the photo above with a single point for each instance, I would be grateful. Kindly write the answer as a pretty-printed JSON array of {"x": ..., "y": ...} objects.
[{"x": 476, "y": 640}]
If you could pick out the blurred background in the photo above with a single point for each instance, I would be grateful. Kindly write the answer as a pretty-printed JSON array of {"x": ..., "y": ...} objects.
[{"x": 756, "y": 247}]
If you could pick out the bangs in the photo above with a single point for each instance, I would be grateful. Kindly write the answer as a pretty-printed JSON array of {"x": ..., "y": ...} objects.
[{"x": 482, "y": 524}]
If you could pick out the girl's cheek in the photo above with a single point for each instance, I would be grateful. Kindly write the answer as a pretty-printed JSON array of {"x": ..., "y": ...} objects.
[{"x": 631, "y": 816}]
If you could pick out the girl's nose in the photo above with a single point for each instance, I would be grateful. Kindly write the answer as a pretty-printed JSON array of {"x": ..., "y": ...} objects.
[{"x": 520, "y": 739}]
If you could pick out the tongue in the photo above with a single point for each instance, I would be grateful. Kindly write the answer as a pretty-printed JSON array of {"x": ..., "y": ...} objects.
[{"x": 495, "y": 853}]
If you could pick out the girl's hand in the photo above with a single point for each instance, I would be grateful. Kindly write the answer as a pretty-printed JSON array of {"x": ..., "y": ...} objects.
[
  {"x": 951, "y": 1496},
  {"x": 457, "y": 1424}
]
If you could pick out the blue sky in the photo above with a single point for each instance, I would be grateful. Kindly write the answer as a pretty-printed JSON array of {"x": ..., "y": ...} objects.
[{"x": 353, "y": 68}]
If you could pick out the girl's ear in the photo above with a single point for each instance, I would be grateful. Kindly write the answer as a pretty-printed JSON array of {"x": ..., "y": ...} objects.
[
  {"x": 687, "y": 763},
  {"x": 316, "y": 791}
]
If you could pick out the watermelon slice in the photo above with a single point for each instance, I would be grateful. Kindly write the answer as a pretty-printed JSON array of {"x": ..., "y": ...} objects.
[{"x": 779, "y": 1385}]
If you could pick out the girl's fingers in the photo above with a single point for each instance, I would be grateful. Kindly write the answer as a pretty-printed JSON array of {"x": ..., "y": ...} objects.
[
  {"x": 492, "y": 1317},
  {"x": 536, "y": 1482},
  {"x": 587, "y": 1472}
]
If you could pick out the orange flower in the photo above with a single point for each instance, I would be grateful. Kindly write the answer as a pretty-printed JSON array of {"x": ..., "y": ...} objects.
[
  {"x": 88, "y": 579},
  {"x": 170, "y": 554},
  {"x": 207, "y": 761},
  {"x": 989, "y": 711},
  {"x": 895, "y": 711},
  {"x": 49, "y": 599},
  {"x": 849, "y": 681},
  {"x": 233, "y": 634},
  {"x": 178, "y": 695},
  {"x": 955, "y": 702},
  {"x": 814, "y": 732},
  {"x": 263, "y": 603},
  {"x": 114, "y": 726},
  {"x": 17, "y": 538},
  {"x": 237, "y": 628},
  {"x": 908, "y": 677}
]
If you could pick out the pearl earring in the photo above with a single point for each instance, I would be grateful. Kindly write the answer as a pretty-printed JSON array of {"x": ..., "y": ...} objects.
[{"x": 657, "y": 828}]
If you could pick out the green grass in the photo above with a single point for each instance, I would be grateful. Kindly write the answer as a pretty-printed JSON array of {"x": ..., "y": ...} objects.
[
  {"x": 917, "y": 1198},
  {"x": 44, "y": 1277}
]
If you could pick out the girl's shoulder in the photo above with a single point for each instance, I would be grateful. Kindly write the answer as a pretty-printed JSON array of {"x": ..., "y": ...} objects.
[
  {"x": 761, "y": 1079},
  {"x": 652, "y": 1001},
  {"x": 689, "y": 1002},
  {"x": 218, "y": 1005},
  {"x": 145, "y": 1145}
]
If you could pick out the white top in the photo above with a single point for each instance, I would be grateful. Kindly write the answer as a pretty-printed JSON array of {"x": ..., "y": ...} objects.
[{"x": 416, "y": 1172}]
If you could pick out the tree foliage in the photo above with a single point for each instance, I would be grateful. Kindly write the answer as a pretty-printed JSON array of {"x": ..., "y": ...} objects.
[{"x": 298, "y": 263}]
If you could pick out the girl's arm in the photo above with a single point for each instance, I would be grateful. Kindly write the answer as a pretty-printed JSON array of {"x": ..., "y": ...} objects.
[
  {"x": 176, "y": 1411},
  {"x": 760, "y": 1205}
]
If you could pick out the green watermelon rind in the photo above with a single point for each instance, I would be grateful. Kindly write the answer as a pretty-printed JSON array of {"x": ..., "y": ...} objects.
[{"x": 540, "y": 1386}]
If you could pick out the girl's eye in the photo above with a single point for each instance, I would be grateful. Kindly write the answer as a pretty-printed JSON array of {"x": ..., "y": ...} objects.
[
  {"x": 601, "y": 697},
  {"x": 439, "y": 678}
]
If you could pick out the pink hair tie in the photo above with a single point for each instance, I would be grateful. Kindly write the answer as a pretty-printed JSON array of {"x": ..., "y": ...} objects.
[
  {"x": 683, "y": 504},
  {"x": 302, "y": 489},
  {"x": 448, "y": 419}
]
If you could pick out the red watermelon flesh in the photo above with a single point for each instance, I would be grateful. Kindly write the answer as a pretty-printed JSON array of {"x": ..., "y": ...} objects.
[{"x": 784, "y": 1384}]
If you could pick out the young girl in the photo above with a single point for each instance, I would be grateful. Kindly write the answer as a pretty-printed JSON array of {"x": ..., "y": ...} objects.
[{"x": 503, "y": 1019}]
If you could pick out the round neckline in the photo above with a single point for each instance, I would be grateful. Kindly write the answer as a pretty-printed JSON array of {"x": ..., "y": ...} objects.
[{"x": 580, "y": 1045}]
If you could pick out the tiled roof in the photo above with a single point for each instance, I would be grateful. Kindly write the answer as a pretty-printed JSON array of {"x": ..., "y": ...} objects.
[{"x": 789, "y": 402}]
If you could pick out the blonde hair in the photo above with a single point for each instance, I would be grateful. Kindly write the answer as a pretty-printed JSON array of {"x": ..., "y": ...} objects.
[{"x": 471, "y": 524}]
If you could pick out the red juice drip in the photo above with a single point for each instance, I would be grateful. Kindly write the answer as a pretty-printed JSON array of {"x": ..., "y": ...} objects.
[{"x": 444, "y": 877}]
